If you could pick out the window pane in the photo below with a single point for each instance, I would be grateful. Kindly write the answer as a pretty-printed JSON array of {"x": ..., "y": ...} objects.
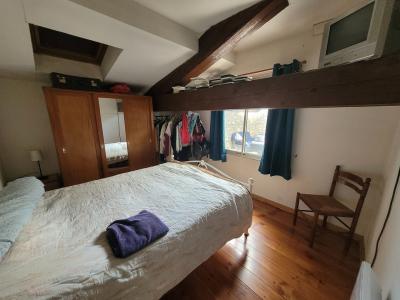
[
  {"x": 234, "y": 129},
  {"x": 255, "y": 134}
]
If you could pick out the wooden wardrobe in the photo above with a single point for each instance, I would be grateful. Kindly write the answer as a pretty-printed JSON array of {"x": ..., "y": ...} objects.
[{"x": 84, "y": 138}]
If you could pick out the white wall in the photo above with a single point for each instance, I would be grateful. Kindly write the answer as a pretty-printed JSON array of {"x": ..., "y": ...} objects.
[
  {"x": 305, "y": 46},
  {"x": 387, "y": 265},
  {"x": 356, "y": 138},
  {"x": 2, "y": 183},
  {"x": 24, "y": 125}
]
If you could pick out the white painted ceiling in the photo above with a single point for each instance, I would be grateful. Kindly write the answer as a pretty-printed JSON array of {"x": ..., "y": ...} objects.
[
  {"x": 150, "y": 44},
  {"x": 197, "y": 15},
  {"x": 299, "y": 16},
  {"x": 16, "y": 49},
  {"x": 150, "y": 38}
]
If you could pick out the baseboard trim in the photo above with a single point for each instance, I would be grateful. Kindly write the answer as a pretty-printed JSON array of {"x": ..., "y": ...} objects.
[
  {"x": 273, "y": 203},
  {"x": 357, "y": 237}
]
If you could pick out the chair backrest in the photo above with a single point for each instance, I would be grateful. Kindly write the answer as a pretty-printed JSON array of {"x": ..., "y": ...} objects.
[{"x": 355, "y": 182}]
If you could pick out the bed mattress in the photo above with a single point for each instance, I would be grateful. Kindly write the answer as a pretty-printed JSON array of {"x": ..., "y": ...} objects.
[{"x": 63, "y": 251}]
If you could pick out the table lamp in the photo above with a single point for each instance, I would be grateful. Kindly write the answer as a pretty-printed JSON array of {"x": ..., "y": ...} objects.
[{"x": 36, "y": 155}]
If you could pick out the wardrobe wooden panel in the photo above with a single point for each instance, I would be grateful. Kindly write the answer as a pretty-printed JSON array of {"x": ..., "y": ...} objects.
[
  {"x": 139, "y": 131},
  {"x": 74, "y": 127}
]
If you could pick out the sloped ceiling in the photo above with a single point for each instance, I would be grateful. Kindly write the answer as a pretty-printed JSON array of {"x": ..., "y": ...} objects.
[
  {"x": 197, "y": 15},
  {"x": 148, "y": 38},
  {"x": 146, "y": 45},
  {"x": 298, "y": 17}
]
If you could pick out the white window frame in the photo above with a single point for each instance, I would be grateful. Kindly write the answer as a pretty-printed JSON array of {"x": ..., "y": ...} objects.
[{"x": 242, "y": 153}]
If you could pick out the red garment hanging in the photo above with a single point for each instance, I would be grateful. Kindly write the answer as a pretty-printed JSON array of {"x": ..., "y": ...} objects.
[{"x": 185, "y": 136}]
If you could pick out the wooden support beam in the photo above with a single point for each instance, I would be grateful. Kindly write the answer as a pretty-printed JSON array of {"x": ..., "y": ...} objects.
[
  {"x": 366, "y": 83},
  {"x": 219, "y": 40}
]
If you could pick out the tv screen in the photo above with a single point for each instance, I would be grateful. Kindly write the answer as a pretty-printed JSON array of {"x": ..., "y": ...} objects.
[{"x": 350, "y": 30}]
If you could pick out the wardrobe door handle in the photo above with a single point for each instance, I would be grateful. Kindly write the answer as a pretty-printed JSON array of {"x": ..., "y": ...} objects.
[{"x": 64, "y": 151}]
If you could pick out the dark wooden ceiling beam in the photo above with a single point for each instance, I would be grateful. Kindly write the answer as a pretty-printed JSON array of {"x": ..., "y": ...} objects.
[
  {"x": 367, "y": 83},
  {"x": 217, "y": 41}
]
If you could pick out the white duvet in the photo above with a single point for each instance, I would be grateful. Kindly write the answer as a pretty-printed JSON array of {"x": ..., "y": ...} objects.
[{"x": 63, "y": 251}]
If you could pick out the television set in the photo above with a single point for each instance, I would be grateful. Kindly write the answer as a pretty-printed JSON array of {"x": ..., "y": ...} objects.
[{"x": 367, "y": 31}]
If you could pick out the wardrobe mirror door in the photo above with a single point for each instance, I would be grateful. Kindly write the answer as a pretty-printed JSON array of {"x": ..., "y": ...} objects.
[{"x": 114, "y": 136}]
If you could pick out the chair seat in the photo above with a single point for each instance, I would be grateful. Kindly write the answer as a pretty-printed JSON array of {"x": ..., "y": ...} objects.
[{"x": 326, "y": 205}]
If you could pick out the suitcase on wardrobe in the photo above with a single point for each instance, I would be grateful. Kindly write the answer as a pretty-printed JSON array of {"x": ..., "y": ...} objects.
[{"x": 63, "y": 81}]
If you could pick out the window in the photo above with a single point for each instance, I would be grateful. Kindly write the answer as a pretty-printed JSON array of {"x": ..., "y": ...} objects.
[{"x": 245, "y": 131}]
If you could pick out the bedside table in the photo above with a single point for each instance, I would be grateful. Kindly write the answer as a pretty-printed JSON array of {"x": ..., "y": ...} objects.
[{"x": 51, "y": 182}]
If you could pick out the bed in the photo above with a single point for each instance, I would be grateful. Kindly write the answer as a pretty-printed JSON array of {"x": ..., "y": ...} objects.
[{"x": 62, "y": 251}]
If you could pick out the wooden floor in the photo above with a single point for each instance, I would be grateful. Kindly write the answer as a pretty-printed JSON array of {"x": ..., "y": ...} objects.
[{"x": 275, "y": 262}]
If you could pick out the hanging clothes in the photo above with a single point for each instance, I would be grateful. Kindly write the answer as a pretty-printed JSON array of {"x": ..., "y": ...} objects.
[
  {"x": 182, "y": 136},
  {"x": 193, "y": 117},
  {"x": 167, "y": 139},
  {"x": 200, "y": 146},
  {"x": 185, "y": 136},
  {"x": 175, "y": 135},
  {"x": 157, "y": 130},
  {"x": 162, "y": 137},
  {"x": 178, "y": 144}
]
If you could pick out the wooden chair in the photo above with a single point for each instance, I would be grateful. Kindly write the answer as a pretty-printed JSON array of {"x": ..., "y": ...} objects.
[{"x": 327, "y": 206}]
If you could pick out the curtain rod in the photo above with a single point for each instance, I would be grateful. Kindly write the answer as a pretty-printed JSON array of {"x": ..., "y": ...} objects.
[{"x": 265, "y": 70}]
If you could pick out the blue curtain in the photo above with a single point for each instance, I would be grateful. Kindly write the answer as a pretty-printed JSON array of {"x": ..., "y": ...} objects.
[
  {"x": 277, "y": 155},
  {"x": 217, "y": 130}
]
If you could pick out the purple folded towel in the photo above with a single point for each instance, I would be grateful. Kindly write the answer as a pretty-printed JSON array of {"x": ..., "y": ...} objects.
[{"x": 129, "y": 235}]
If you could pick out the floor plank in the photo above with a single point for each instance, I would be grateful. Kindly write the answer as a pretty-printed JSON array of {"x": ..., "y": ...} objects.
[{"x": 275, "y": 262}]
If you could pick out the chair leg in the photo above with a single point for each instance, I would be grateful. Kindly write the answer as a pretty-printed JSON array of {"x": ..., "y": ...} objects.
[
  {"x": 324, "y": 223},
  {"x": 296, "y": 209},
  {"x": 348, "y": 243},
  {"x": 314, "y": 230},
  {"x": 349, "y": 239}
]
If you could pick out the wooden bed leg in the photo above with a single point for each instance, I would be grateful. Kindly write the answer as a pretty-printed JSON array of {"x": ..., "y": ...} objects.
[{"x": 250, "y": 183}]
